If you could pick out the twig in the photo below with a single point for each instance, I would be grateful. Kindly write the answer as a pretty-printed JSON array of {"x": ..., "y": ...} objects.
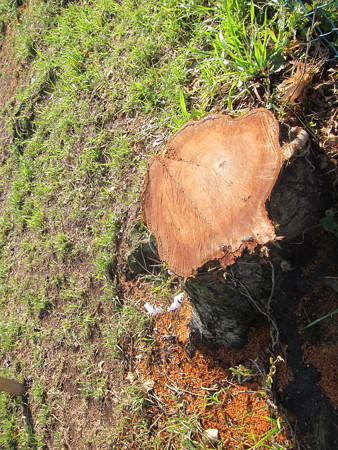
[{"x": 179, "y": 391}]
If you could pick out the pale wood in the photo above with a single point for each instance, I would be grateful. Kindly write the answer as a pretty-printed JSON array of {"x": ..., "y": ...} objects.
[
  {"x": 204, "y": 196},
  {"x": 11, "y": 386}
]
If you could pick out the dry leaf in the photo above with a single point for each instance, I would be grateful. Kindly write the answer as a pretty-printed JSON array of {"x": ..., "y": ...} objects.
[{"x": 293, "y": 88}]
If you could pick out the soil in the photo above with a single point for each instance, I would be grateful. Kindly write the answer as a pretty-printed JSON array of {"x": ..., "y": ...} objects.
[
  {"x": 311, "y": 393},
  {"x": 11, "y": 75}
]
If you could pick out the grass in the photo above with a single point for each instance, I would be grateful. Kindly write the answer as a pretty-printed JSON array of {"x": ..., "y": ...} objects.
[
  {"x": 314, "y": 322},
  {"x": 101, "y": 82},
  {"x": 248, "y": 45}
]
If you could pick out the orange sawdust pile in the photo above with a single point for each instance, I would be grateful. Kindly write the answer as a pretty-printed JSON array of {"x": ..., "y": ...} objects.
[{"x": 184, "y": 379}]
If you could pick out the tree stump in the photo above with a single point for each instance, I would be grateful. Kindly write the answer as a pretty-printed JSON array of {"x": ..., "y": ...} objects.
[{"x": 218, "y": 198}]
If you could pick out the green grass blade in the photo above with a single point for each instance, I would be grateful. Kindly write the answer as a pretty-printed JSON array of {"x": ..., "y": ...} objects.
[{"x": 330, "y": 314}]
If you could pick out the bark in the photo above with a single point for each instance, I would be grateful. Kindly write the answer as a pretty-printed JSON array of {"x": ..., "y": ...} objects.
[{"x": 221, "y": 308}]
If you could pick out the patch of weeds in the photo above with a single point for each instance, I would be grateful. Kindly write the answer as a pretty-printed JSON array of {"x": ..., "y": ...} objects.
[
  {"x": 182, "y": 430},
  {"x": 135, "y": 404},
  {"x": 268, "y": 439},
  {"x": 31, "y": 26},
  {"x": 11, "y": 333},
  {"x": 17, "y": 433},
  {"x": 8, "y": 11},
  {"x": 62, "y": 244},
  {"x": 275, "y": 436},
  {"x": 124, "y": 339},
  {"x": 162, "y": 281},
  {"x": 93, "y": 386},
  {"x": 133, "y": 422},
  {"x": 248, "y": 43},
  {"x": 43, "y": 419},
  {"x": 242, "y": 373},
  {"x": 14, "y": 434}
]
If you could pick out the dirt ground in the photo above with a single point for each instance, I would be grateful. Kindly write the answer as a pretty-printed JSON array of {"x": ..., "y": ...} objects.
[{"x": 179, "y": 371}]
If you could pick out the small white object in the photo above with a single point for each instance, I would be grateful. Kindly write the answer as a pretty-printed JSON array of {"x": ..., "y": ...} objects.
[
  {"x": 153, "y": 309},
  {"x": 210, "y": 436},
  {"x": 177, "y": 303},
  {"x": 149, "y": 385},
  {"x": 130, "y": 377},
  {"x": 285, "y": 266}
]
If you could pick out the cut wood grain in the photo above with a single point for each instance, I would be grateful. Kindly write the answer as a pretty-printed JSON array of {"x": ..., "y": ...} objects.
[{"x": 204, "y": 195}]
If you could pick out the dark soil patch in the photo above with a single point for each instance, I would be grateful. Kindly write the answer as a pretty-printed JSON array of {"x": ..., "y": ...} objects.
[{"x": 311, "y": 400}]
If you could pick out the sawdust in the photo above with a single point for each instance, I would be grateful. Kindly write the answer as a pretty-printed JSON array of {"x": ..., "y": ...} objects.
[{"x": 199, "y": 382}]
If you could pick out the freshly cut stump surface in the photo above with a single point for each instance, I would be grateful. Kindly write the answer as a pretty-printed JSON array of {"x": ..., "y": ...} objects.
[{"x": 204, "y": 195}]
